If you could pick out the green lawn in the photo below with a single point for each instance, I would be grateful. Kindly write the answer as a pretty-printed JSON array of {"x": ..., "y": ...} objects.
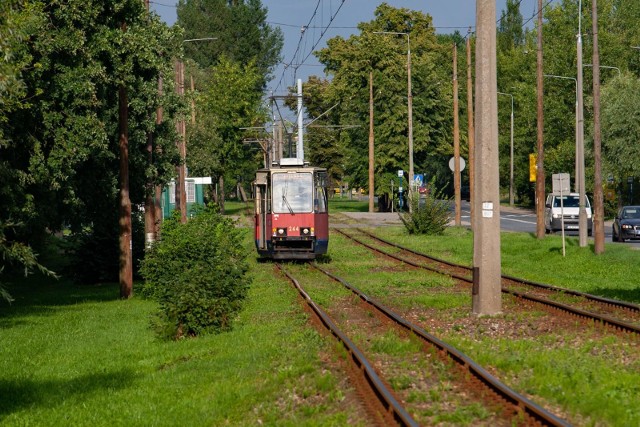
[{"x": 77, "y": 355}]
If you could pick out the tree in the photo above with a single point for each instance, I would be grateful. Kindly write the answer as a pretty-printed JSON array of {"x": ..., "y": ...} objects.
[
  {"x": 349, "y": 61},
  {"x": 242, "y": 33},
  {"x": 621, "y": 127},
  {"x": 63, "y": 171},
  {"x": 228, "y": 103}
]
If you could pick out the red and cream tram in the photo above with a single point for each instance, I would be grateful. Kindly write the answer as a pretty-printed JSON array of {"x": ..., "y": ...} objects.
[{"x": 291, "y": 211}]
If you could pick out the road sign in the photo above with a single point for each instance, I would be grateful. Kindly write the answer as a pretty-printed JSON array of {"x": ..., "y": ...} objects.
[
  {"x": 561, "y": 183},
  {"x": 533, "y": 167},
  {"x": 452, "y": 164},
  {"x": 400, "y": 173},
  {"x": 418, "y": 179}
]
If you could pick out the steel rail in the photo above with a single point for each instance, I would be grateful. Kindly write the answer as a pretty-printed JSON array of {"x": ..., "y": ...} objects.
[
  {"x": 393, "y": 407},
  {"x": 617, "y": 303},
  {"x": 605, "y": 320},
  {"x": 520, "y": 404}
]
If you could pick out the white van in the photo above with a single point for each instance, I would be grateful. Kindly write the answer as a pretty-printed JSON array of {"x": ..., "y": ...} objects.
[{"x": 569, "y": 208}]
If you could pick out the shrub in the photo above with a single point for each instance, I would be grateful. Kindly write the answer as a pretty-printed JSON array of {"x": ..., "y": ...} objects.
[
  {"x": 198, "y": 273},
  {"x": 430, "y": 214}
]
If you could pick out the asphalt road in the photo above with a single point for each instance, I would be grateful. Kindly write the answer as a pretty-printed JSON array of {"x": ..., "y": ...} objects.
[{"x": 524, "y": 220}]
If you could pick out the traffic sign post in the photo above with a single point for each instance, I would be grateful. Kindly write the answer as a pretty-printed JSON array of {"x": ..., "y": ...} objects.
[
  {"x": 400, "y": 175},
  {"x": 561, "y": 183}
]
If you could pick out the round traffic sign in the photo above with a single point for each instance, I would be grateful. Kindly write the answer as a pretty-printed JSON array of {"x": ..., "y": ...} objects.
[{"x": 452, "y": 165}]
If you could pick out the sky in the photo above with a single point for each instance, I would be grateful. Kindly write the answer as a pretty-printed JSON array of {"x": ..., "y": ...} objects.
[{"x": 292, "y": 15}]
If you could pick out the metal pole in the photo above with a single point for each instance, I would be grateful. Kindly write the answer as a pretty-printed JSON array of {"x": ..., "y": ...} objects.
[
  {"x": 581, "y": 180},
  {"x": 371, "y": 145},
  {"x": 300, "y": 147}
]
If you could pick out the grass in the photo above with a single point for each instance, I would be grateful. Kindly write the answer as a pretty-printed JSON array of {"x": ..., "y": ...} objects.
[
  {"x": 612, "y": 274},
  {"x": 77, "y": 355},
  {"x": 591, "y": 378}
]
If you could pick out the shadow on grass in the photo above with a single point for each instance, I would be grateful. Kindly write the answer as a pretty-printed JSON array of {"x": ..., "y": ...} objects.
[
  {"x": 22, "y": 394},
  {"x": 629, "y": 295},
  {"x": 38, "y": 295}
]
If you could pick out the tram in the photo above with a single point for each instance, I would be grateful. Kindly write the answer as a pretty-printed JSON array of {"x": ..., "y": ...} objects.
[{"x": 291, "y": 211}]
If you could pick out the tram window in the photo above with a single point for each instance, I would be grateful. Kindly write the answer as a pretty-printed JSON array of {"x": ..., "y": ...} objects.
[
  {"x": 320, "y": 200},
  {"x": 292, "y": 192}
]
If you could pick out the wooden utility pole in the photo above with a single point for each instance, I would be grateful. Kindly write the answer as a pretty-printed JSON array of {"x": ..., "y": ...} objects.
[
  {"x": 371, "y": 144},
  {"x": 149, "y": 200},
  {"x": 126, "y": 261},
  {"x": 158, "y": 188},
  {"x": 598, "y": 197},
  {"x": 540, "y": 196},
  {"x": 181, "y": 194},
  {"x": 487, "y": 281},
  {"x": 456, "y": 137},
  {"x": 470, "y": 127}
]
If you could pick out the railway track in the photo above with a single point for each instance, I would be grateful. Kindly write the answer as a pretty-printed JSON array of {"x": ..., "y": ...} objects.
[
  {"x": 515, "y": 408},
  {"x": 620, "y": 315}
]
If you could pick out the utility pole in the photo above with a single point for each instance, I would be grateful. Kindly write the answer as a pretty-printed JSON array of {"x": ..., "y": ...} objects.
[
  {"x": 487, "y": 286},
  {"x": 149, "y": 200},
  {"x": 158, "y": 188},
  {"x": 470, "y": 128},
  {"x": 598, "y": 197},
  {"x": 410, "y": 108},
  {"x": 540, "y": 196},
  {"x": 126, "y": 261},
  {"x": 582, "y": 220},
  {"x": 181, "y": 194},
  {"x": 456, "y": 137},
  {"x": 371, "y": 144}
]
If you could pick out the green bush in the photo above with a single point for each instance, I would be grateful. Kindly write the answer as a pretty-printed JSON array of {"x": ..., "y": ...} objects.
[
  {"x": 198, "y": 273},
  {"x": 430, "y": 213}
]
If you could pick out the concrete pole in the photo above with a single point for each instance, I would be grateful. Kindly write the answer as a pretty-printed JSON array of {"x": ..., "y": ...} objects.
[
  {"x": 486, "y": 293},
  {"x": 371, "y": 145},
  {"x": 580, "y": 155},
  {"x": 410, "y": 108},
  {"x": 456, "y": 138},
  {"x": 300, "y": 147},
  {"x": 470, "y": 130}
]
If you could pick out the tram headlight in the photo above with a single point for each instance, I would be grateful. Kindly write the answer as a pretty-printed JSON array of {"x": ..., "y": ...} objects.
[
  {"x": 306, "y": 231},
  {"x": 280, "y": 232}
]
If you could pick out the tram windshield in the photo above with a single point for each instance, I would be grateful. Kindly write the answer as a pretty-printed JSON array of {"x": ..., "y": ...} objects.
[{"x": 292, "y": 192}]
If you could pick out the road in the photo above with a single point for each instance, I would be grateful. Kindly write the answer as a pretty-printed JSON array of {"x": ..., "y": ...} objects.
[{"x": 524, "y": 220}]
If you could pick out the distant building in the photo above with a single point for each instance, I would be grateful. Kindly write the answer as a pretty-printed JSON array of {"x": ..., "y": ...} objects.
[{"x": 195, "y": 188}]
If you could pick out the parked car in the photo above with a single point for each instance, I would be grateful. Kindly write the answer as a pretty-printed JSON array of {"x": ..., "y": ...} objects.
[
  {"x": 626, "y": 224},
  {"x": 566, "y": 207}
]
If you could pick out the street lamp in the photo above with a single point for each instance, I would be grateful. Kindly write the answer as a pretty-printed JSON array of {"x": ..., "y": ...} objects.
[
  {"x": 605, "y": 66},
  {"x": 577, "y": 171},
  {"x": 409, "y": 108},
  {"x": 511, "y": 153},
  {"x": 580, "y": 152}
]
